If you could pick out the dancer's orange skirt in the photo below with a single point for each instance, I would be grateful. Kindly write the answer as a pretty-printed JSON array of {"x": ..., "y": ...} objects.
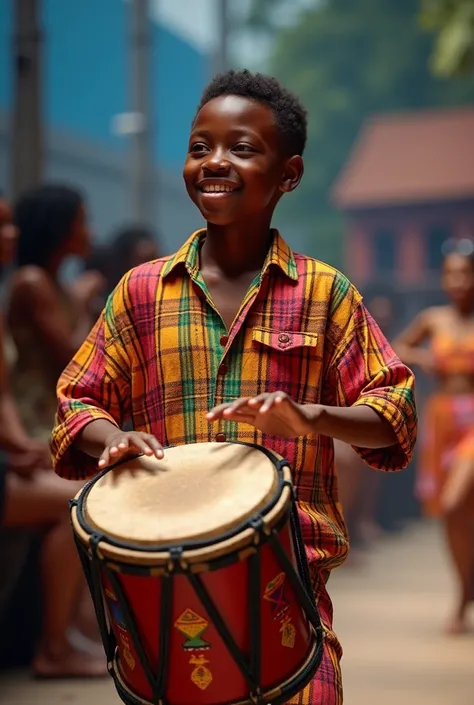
[{"x": 447, "y": 436}]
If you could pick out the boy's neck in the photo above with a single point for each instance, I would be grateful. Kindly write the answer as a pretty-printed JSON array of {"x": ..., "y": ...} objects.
[{"x": 236, "y": 250}]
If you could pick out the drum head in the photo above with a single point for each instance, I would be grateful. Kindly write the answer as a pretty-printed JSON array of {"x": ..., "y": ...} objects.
[{"x": 197, "y": 491}]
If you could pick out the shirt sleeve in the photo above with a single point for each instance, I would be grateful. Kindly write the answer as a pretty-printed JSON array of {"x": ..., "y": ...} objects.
[
  {"x": 95, "y": 385},
  {"x": 365, "y": 370}
]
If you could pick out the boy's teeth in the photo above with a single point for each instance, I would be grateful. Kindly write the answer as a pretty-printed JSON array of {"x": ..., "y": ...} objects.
[{"x": 216, "y": 188}]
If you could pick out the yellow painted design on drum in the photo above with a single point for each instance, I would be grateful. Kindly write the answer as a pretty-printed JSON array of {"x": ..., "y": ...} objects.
[
  {"x": 126, "y": 653},
  {"x": 288, "y": 633},
  {"x": 200, "y": 676},
  {"x": 275, "y": 594},
  {"x": 193, "y": 627}
]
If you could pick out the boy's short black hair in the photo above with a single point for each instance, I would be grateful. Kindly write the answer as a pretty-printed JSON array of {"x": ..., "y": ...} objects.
[{"x": 290, "y": 115}]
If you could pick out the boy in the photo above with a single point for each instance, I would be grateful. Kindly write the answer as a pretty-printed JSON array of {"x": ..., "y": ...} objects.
[{"x": 236, "y": 338}]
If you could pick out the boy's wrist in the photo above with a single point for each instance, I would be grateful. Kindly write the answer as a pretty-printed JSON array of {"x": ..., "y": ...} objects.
[
  {"x": 318, "y": 416},
  {"x": 92, "y": 439}
]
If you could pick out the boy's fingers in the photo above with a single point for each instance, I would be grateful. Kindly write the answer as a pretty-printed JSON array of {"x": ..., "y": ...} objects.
[
  {"x": 218, "y": 411},
  {"x": 142, "y": 444},
  {"x": 104, "y": 459},
  {"x": 242, "y": 418},
  {"x": 237, "y": 407},
  {"x": 259, "y": 399},
  {"x": 273, "y": 399},
  {"x": 156, "y": 447},
  {"x": 266, "y": 406}
]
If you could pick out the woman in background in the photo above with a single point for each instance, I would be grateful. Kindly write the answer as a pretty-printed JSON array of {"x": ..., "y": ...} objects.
[
  {"x": 130, "y": 246},
  {"x": 47, "y": 320},
  {"x": 445, "y": 483},
  {"x": 32, "y": 497}
]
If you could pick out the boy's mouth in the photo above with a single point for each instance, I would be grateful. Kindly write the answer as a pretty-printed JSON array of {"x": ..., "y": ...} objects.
[{"x": 217, "y": 187}]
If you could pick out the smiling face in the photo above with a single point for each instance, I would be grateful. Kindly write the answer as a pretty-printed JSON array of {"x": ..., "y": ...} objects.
[{"x": 236, "y": 168}]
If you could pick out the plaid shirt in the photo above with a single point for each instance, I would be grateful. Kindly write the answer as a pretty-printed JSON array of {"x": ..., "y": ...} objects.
[{"x": 160, "y": 354}]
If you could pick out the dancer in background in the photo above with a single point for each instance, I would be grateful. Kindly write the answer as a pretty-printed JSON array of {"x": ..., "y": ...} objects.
[{"x": 445, "y": 483}]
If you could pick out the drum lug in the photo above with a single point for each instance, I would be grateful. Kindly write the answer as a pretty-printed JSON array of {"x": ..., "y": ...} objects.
[
  {"x": 176, "y": 559},
  {"x": 258, "y": 526}
]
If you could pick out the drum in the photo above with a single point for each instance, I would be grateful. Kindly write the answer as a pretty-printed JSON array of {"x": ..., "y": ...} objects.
[{"x": 199, "y": 577}]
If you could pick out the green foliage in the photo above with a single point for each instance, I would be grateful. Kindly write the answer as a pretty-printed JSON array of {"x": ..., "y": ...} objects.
[
  {"x": 348, "y": 59},
  {"x": 452, "y": 22}
]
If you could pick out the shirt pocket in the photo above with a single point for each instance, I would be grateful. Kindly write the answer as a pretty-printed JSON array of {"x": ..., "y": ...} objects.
[
  {"x": 288, "y": 361},
  {"x": 282, "y": 340}
]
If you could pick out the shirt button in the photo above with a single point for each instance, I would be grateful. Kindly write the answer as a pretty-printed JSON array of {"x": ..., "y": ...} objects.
[
  {"x": 223, "y": 369},
  {"x": 221, "y": 438},
  {"x": 284, "y": 338},
  {"x": 224, "y": 339}
]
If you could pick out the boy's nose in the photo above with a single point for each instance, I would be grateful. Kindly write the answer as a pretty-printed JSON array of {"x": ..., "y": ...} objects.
[{"x": 216, "y": 165}]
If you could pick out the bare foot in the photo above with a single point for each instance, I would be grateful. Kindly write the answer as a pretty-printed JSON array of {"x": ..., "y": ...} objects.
[
  {"x": 458, "y": 624},
  {"x": 72, "y": 664}
]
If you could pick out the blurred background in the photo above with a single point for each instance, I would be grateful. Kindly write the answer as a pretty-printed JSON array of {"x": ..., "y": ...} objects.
[{"x": 99, "y": 95}]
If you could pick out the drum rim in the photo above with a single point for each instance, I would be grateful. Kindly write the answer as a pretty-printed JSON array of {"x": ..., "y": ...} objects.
[{"x": 195, "y": 545}]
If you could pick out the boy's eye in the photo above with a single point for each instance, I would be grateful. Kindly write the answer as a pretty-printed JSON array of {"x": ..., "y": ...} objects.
[
  {"x": 242, "y": 147},
  {"x": 198, "y": 147}
]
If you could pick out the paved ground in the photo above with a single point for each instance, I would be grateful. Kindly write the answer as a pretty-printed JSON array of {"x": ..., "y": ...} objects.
[{"x": 389, "y": 615}]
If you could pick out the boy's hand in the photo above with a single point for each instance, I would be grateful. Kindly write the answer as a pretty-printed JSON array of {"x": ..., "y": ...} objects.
[
  {"x": 119, "y": 444},
  {"x": 273, "y": 413}
]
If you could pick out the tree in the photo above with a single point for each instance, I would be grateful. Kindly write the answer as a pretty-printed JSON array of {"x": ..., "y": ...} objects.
[
  {"x": 452, "y": 22},
  {"x": 348, "y": 59}
]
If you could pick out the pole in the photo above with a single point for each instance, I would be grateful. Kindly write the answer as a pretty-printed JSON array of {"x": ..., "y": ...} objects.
[
  {"x": 222, "y": 59},
  {"x": 141, "y": 162},
  {"x": 27, "y": 131}
]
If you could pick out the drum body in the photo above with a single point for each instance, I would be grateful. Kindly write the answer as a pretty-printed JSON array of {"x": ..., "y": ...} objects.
[{"x": 199, "y": 578}]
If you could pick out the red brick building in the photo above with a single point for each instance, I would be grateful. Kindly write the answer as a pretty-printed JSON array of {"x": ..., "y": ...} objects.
[{"x": 407, "y": 187}]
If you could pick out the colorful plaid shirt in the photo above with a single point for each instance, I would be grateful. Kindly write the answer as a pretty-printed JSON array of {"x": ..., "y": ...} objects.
[{"x": 161, "y": 356}]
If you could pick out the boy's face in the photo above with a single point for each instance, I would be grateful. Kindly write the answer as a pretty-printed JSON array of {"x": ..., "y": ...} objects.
[{"x": 236, "y": 168}]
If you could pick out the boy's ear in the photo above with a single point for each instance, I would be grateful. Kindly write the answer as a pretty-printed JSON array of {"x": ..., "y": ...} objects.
[{"x": 292, "y": 174}]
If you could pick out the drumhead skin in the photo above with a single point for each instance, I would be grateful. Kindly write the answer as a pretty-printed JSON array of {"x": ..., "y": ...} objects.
[{"x": 196, "y": 492}]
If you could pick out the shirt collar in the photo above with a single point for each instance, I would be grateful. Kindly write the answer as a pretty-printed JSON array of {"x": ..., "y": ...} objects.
[{"x": 280, "y": 255}]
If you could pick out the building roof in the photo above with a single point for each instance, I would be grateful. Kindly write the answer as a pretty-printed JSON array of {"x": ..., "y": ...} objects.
[{"x": 410, "y": 158}]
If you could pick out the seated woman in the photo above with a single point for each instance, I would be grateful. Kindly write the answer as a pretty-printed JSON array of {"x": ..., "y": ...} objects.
[{"x": 32, "y": 496}]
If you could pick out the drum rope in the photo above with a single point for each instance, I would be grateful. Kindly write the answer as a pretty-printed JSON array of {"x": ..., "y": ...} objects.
[
  {"x": 132, "y": 630},
  {"x": 308, "y": 604},
  {"x": 255, "y": 613},
  {"x": 216, "y": 617},
  {"x": 92, "y": 570}
]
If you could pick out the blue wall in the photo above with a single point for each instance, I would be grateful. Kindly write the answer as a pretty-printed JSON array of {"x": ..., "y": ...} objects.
[{"x": 86, "y": 78}]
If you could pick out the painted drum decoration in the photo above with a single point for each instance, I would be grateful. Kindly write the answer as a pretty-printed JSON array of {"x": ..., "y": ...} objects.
[{"x": 199, "y": 577}]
